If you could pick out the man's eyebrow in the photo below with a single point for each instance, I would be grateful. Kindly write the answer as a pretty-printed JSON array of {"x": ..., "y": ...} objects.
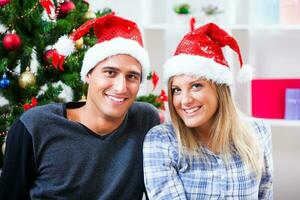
[
  {"x": 117, "y": 69},
  {"x": 135, "y": 73},
  {"x": 110, "y": 68}
]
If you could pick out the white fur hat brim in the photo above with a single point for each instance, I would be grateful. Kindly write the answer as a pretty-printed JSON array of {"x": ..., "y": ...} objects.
[
  {"x": 197, "y": 66},
  {"x": 118, "y": 45}
]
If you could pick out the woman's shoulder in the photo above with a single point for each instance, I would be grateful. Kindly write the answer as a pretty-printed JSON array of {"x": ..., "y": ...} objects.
[
  {"x": 161, "y": 141},
  {"x": 259, "y": 124},
  {"x": 163, "y": 132},
  {"x": 260, "y": 127}
]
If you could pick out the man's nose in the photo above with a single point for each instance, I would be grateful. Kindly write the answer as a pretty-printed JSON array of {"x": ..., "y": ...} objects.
[{"x": 120, "y": 84}]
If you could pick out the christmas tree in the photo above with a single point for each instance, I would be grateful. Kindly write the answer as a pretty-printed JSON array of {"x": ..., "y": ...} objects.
[
  {"x": 29, "y": 74},
  {"x": 155, "y": 100}
]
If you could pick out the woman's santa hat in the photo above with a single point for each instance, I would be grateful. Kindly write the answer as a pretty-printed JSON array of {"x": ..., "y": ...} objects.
[
  {"x": 200, "y": 53},
  {"x": 115, "y": 35}
]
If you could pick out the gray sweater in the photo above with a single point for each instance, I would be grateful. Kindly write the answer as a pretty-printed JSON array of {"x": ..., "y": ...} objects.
[{"x": 51, "y": 157}]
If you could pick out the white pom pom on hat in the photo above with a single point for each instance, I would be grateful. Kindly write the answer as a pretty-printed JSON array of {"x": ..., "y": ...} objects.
[{"x": 245, "y": 74}]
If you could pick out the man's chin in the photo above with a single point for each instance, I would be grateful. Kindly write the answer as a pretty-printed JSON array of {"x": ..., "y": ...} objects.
[{"x": 115, "y": 114}]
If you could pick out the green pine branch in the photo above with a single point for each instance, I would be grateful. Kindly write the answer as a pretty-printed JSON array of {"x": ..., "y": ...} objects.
[
  {"x": 151, "y": 98},
  {"x": 37, "y": 34}
]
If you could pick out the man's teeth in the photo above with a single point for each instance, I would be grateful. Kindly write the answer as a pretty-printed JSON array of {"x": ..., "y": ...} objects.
[
  {"x": 116, "y": 99},
  {"x": 191, "y": 110}
]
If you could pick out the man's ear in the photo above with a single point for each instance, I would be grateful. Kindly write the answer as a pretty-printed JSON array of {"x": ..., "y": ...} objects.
[{"x": 88, "y": 78}]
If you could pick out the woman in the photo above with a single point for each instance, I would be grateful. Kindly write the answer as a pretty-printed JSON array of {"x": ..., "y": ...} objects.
[{"x": 210, "y": 151}]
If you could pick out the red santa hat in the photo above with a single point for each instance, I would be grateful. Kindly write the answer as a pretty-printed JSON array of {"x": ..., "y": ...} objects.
[
  {"x": 115, "y": 35},
  {"x": 200, "y": 53}
]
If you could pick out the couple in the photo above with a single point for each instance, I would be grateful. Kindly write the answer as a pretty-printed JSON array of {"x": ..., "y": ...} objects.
[{"x": 98, "y": 149}]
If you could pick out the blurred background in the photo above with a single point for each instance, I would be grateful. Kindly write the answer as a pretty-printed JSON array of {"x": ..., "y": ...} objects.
[{"x": 268, "y": 33}]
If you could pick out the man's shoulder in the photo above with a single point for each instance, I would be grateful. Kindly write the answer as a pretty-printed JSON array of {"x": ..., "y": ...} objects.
[
  {"x": 42, "y": 112},
  {"x": 142, "y": 112},
  {"x": 143, "y": 107}
]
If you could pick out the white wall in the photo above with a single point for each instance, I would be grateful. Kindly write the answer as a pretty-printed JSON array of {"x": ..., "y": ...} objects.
[{"x": 286, "y": 156}]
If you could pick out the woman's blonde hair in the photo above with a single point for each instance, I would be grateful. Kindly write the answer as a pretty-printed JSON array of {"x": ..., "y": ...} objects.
[{"x": 229, "y": 134}]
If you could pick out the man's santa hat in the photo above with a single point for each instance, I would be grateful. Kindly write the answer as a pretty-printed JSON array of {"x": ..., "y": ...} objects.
[
  {"x": 200, "y": 53},
  {"x": 115, "y": 35}
]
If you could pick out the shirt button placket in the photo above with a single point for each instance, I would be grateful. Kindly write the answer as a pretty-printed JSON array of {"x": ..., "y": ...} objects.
[{"x": 222, "y": 178}]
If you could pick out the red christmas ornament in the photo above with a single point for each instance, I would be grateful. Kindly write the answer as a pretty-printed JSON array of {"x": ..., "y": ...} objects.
[
  {"x": 4, "y": 2},
  {"x": 32, "y": 104},
  {"x": 155, "y": 79},
  {"x": 49, "y": 7},
  {"x": 52, "y": 57},
  {"x": 48, "y": 56},
  {"x": 162, "y": 98},
  {"x": 65, "y": 8},
  {"x": 12, "y": 42}
]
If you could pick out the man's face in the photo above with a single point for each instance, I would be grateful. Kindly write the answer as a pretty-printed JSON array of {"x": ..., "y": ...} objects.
[{"x": 113, "y": 86}]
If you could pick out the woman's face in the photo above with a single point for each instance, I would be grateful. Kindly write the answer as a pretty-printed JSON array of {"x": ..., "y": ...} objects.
[{"x": 195, "y": 101}]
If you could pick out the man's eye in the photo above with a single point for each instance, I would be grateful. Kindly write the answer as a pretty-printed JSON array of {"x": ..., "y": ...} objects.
[
  {"x": 110, "y": 73},
  {"x": 133, "y": 77}
]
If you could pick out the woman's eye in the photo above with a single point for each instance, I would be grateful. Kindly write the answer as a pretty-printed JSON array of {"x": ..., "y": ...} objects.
[
  {"x": 175, "y": 90},
  {"x": 197, "y": 85}
]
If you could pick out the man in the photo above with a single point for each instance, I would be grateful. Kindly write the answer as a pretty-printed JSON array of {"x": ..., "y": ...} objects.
[{"x": 93, "y": 149}]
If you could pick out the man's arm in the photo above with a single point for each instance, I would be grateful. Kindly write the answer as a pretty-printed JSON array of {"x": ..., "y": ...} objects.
[{"x": 18, "y": 170}]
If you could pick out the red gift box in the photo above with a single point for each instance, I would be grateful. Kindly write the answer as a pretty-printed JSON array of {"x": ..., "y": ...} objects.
[{"x": 268, "y": 97}]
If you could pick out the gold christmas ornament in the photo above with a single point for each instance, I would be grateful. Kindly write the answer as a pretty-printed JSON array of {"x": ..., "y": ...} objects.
[
  {"x": 79, "y": 43},
  {"x": 27, "y": 79},
  {"x": 89, "y": 14}
]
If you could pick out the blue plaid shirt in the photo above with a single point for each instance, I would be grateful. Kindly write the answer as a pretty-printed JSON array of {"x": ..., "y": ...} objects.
[{"x": 170, "y": 177}]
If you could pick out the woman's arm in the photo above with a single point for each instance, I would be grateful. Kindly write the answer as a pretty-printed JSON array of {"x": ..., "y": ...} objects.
[
  {"x": 160, "y": 166},
  {"x": 266, "y": 182}
]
